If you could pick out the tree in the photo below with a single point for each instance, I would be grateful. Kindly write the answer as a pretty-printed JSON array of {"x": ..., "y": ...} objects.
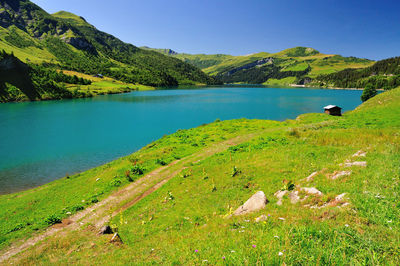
[{"x": 368, "y": 92}]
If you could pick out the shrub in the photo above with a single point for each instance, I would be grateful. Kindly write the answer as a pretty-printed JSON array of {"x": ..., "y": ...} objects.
[
  {"x": 137, "y": 170},
  {"x": 18, "y": 227},
  {"x": 76, "y": 208},
  {"x": 368, "y": 93},
  {"x": 53, "y": 219},
  {"x": 161, "y": 162},
  {"x": 288, "y": 185},
  {"x": 116, "y": 182}
]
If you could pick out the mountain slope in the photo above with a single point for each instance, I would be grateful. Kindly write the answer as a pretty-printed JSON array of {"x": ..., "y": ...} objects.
[
  {"x": 67, "y": 41},
  {"x": 297, "y": 65},
  {"x": 384, "y": 74}
]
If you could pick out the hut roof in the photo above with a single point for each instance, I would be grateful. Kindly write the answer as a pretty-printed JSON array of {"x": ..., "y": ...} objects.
[{"x": 328, "y": 107}]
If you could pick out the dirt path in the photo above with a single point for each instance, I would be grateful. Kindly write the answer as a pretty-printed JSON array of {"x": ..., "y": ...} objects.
[{"x": 101, "y": 213}]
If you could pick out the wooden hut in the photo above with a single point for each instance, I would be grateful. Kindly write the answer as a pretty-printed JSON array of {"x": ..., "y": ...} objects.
[{"x": 333, "y": 110}]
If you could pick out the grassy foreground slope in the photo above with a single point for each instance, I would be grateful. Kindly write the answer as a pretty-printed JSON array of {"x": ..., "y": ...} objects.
[{"x": 186, "y": 220}]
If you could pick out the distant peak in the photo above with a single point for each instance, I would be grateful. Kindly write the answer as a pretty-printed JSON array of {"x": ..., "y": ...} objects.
[
  {"x": 298, "y": 52},
  {"x": 70, "y": 16},
  {"x": 165, "y": 51}
]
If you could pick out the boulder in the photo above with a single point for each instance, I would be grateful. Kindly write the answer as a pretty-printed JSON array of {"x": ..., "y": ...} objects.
[{"x": 253, "y": 204}]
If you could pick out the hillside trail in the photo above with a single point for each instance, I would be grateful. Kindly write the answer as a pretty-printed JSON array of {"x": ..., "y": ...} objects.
[{"x": 102, "y": 212}]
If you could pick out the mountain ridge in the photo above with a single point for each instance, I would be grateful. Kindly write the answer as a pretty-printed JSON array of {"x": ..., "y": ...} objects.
[
  {"x": 67, "y": 41},
  {"x": 297, "y": 65}
]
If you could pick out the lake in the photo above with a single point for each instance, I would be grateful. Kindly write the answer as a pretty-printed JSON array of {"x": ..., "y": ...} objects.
[{"x": 43, "y": 141}]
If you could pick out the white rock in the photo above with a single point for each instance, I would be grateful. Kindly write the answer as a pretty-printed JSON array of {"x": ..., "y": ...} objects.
[
  {"x": 311, "y": 177},
  {"x": 360, "y": 153},
  {"x": 363, "y": 164},
  {"x": 255, "y": 203},
  {"x": 340, "y": 197},
  {"x": 340, "y": 174},
  {"x": 279, "y": 194},
  {"x": 294, "y": 197},
  {"x": 311, "y": 190}
]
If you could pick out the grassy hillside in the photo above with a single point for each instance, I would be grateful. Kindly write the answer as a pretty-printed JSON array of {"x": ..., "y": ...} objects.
[
  {"x": 185, "y": 219},
  {"x": 384, "y": 74},
  {"x": 30, "y": 82},
  {"x": 297, "y": 65},
  {"x": 66, "y": 41}
]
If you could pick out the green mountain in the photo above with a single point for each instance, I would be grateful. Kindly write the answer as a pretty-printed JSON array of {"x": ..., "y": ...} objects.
[
  {"x": 384, "y": 74},
  {"x": 297, "y": 65},
  {"x": 67, "y": 41}
]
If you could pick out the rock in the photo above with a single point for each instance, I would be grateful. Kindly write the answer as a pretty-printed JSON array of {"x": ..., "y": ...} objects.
[
  {"x": 311, "y": 177},
  {"x": 363, "y": 164},
  {"x": 340, "y": 197},
  {"x": 294, "y": 197},
  {"x": 360, "y": 153},
  {"x": 338, "y": 201},
  {"x": 105, "y": 230},
  {"x": 255, "y": 203},
  {"x": 279, "y": 194},
  {"x": 262, "y": 218},
  {"x": 337, "y": 175},
  {"x": 311, "y": 190}
]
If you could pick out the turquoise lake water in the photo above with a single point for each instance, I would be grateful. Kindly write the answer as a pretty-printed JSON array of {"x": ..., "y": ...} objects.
[{"x": 43, "y": 141}]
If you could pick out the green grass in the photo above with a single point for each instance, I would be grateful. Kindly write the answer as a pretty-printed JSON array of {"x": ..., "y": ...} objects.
[
  {"x": 189, "y": 212},
  {"x": 35, "y": 54},
  {"x": 25, "y": 213},
  {"x": 281, "y": 82}
]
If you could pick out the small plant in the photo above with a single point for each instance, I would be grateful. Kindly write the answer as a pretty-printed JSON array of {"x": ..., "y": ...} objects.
[
  {"x": 235, "y": 171},
  {"x": 137, "y": 170},
  {"x": 161, "y": 162},
  {"x": 76, "y": 208},
  {"x": 17, "y": 227},
  {"x": 288, "y": 185},
  {"x": 93, "y": 200},
  {"x": 116, "y": 182},
  {"x": 186, "y": 173},
  {"x": 53, "y": 219},
  {"x": 294, "y": 132},
  {"x": 128, "y": 176},
  {"x": 169, "y": 196},
  {"x": 205, "y": 175}
]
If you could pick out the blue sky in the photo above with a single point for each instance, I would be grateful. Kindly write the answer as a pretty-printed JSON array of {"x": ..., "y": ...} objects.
[{"x": 367, "y": 29}]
